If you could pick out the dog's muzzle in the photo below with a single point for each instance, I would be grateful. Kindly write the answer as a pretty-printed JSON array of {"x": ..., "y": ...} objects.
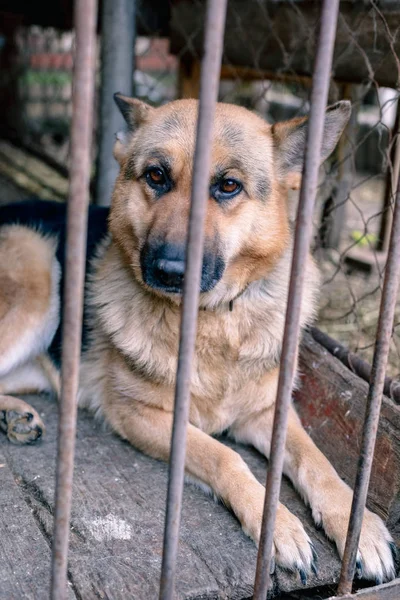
[{"x": 163, "y": 267}]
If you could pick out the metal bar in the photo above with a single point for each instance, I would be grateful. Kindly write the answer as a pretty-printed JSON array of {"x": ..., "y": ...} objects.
[
  {"x": 85, "y": 15},
  {"x": 319, "y": 96},
  {"x": 374, "y": 400},
  {"x": 118, "y": 35},
  {"x": 392, "y": 174},
  {"x": 209, "y": 83}
]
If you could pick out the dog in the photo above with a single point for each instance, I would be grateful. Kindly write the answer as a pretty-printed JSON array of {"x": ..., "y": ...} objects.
[{"x": 134, "y": 300}]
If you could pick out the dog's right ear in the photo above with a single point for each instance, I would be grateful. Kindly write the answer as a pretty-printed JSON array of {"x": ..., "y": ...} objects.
[
  {"x": 135, "y": 112},
  {"x": 290, "y": 138}
]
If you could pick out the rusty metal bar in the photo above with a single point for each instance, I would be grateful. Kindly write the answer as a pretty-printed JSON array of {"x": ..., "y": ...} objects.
[
  {"x": 85, "y": 16},
  {"x": 319, "y": 96},
  {"x": 390, "y": 186},
  {"x": 209, "y": 83},
  {"x": 374, "y": 400}
]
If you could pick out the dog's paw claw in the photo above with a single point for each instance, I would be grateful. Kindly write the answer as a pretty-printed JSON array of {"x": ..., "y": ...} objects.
[
  {"x": 359, "y": 568},
  {"x": 303, "y": 576},
  {"x": 395, "y": 553},
  {"x": 272, "y": 566}
]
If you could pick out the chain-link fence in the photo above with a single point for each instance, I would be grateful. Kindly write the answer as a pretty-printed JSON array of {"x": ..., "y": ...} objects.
[{"x": 268, "y": 60}]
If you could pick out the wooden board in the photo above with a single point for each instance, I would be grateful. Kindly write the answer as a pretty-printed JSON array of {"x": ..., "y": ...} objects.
[
  {"x": 385, "y": 591},
  {"x": 24, "y": 550},
  {"x": 331, "y": 403},
  {"x": 118, "y": 517}
]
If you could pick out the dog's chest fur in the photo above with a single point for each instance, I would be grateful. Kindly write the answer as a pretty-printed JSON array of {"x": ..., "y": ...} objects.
[{"x": 233, "y": 348}]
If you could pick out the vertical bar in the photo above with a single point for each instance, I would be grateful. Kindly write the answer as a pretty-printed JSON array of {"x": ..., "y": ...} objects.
[
  {"x": 85, "y": 16},
  {"x": 374, "y": 400},
  {"x": 118, "y": 33},
  {"x": 319, "y": 96},
  {"x": 210, "y": 71},
  {"x": 392, "y": 174}
]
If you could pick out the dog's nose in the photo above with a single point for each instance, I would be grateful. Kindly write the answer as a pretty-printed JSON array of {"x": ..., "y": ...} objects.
[
  {"x": 163, "y": 267},
  {"x": 169, "y": 272}
]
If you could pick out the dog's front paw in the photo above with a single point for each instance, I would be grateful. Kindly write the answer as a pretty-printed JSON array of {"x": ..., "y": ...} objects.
[
  {"x": 22, "y": 427},
  {"x": 292, "y": 548},
  {"x": 376, "y": 552}
]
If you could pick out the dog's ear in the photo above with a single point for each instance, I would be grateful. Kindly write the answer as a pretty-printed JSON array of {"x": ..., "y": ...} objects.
[
  {"x": 135, "y": 112},
  {"x": 290, "y": 137}
]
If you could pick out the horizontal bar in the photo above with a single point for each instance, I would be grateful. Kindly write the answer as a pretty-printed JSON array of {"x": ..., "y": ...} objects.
[
  {"x": 374, "y": 400},
  {"x": 209, "y": 83},
  {"x": 85, "y": 17},
  {"x": 319, "y": 97}
]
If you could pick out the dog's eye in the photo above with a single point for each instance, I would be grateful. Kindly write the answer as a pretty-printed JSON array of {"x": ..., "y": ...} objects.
[
  {"x": 225, "y": 189},
  {"x": 155, "y": 177},
  {"x": 158, "y": 179},
  {"x": 229, "y": 186}
]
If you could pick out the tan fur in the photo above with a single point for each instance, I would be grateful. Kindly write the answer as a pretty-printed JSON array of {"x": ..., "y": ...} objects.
[
  {"x": 29, "y": 315},
  {"x": 128, "y": 373},
  {"x": 26, "y": 263}
]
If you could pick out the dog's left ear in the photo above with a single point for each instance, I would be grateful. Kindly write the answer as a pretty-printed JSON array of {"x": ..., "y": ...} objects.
[
  {"x": 290, "y": 137},
  {"x": 135, "y": 112}
]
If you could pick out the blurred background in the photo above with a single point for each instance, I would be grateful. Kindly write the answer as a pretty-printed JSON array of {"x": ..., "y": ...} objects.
[{"x": 267, "y": 66}]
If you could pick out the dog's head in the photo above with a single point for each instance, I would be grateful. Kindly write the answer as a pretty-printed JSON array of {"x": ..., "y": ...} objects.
[{"x": 246, "y": 229}]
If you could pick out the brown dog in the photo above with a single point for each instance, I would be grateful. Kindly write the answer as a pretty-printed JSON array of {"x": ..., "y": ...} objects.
[{"x": 128, "y": 373}]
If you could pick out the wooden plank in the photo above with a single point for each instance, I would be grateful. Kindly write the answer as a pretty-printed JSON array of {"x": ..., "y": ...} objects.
[
  {"x": 280, "y": 37},
  {"x": 24, "y": 551},
  {"x": 31, "y": 174},
  {"x": 118, "y": 518},
  {"x": 331, "y": 402},
  {"x": 386, "y": 591}
]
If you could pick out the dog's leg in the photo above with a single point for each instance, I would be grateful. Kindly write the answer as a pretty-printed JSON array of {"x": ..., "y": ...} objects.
[
  {"x": 29, "y": 315},
  {"x": 329, "y": 497},
  {"x": 220, "y": 468}
]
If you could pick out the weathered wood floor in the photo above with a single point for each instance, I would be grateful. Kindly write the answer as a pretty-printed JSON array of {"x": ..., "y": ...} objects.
[{"x": 117, "y": 523}]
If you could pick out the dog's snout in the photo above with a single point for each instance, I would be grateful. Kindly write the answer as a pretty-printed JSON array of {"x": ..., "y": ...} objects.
[
  {"x": 163, "y": 267},
  {"x": 169, "y": 272}
]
